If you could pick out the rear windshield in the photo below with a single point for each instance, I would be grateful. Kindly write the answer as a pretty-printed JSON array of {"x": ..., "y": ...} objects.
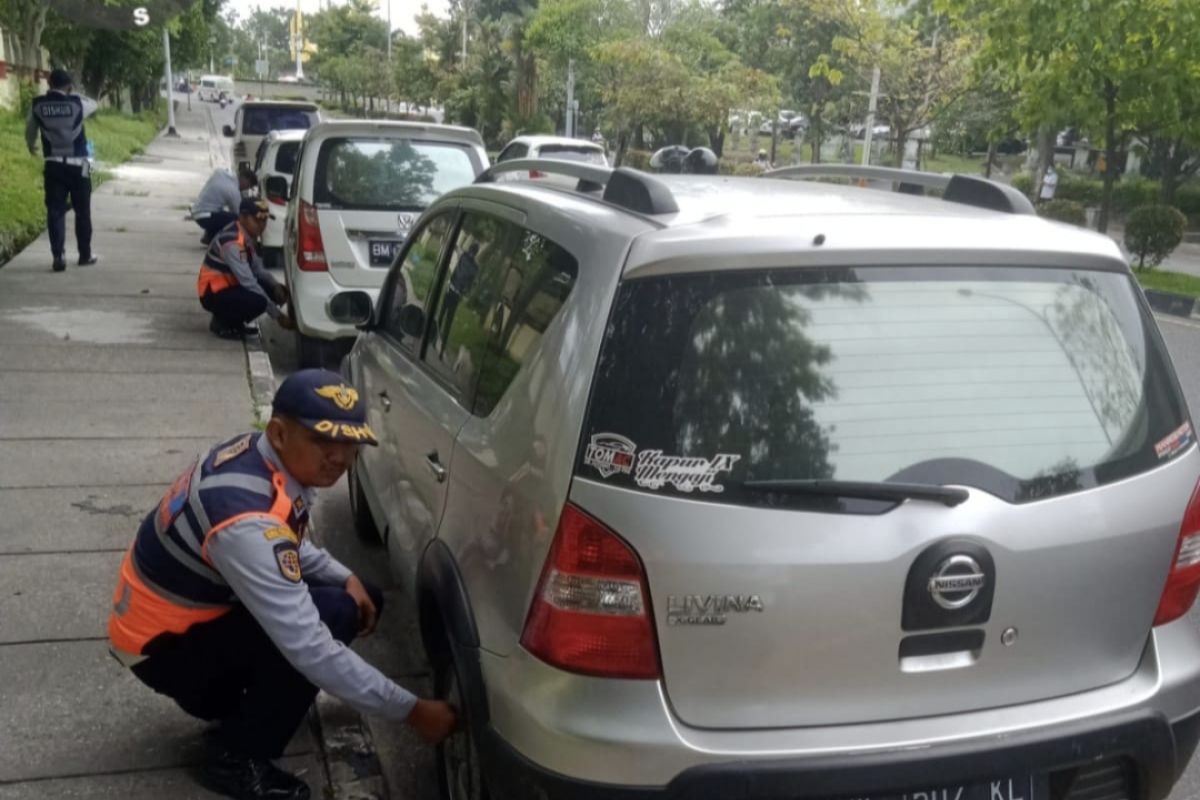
[
  {"x": 259, "y": 121},
  {"x": 391, "y": 174},
  {"x": 285, "y": 157},
  {"x": 563, "y": 152},
  {"x": 1026, "y": 383}
]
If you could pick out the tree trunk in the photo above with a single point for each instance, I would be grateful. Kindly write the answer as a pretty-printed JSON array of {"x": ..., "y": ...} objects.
[
  {"x": 1045, "y": 157},
  {"x": 817, "y": 137},
  {"x": 1170, "y": 172},
  {"x": 1110, "y": 154},
  {"x": 900, "y": 143},
  {"x": 622, "y": 146},
  {"x": 991, "y": 158},
  {"x": 716, "y": 141}
]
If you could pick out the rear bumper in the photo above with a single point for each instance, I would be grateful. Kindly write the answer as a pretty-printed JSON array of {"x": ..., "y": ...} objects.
[
  {"x": 311, "y": 292},
  {"x": 1151, "y": 752}
]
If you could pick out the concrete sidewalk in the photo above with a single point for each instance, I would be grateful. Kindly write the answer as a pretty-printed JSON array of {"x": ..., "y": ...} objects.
[{"x": 109, "y": 384}]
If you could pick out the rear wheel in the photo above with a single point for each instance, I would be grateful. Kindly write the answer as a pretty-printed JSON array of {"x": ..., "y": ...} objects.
[
  {"x": 459, "y": 773},
  {"x": 364, "y": 523}
]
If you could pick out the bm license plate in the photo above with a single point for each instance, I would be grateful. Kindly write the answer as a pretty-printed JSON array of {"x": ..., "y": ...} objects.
[
  {"x": 383, "y": 251},
  {"x": 1023, "y": 788}
]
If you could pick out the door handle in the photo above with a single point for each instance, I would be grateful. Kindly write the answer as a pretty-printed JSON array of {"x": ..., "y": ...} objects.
[
  {"x": 385, "y": 401},
  {"x": 435, "y": 466}
]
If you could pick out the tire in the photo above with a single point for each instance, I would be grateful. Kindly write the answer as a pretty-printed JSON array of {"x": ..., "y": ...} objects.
[
  {"x": 460, "y": 775},
  {"x": 272, "y": 257},
  {"x": 310, "y": 352},
  {"x": 364, "y": 523}
]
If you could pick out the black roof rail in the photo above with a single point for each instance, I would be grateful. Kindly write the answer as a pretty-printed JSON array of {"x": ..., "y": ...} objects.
[
  {"x": 967, "y": 189},
  {"x": 625, "y": 188}
]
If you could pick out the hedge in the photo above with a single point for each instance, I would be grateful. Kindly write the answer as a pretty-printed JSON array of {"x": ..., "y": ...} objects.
[
  {"x": 1064, "y": 211},
  {"x": 1128, "y": 193}
]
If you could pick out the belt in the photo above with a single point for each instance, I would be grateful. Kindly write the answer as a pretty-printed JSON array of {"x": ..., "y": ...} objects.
[
  {"x": 126, "y": 659},
  {"x": 75, "y": 161}
]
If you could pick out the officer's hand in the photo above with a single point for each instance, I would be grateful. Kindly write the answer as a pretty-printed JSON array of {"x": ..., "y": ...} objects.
[
  {"x": 434, "y": 720},
  {"x": 286, "y": 322},
  {"x": 368, "y": 615},
  {"x": 282, "y": 295}
]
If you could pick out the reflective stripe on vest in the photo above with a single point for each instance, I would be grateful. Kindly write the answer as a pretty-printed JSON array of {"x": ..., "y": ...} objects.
[
  {"x": 215, "y": 274},
  {"x": 167, "y": 583}
]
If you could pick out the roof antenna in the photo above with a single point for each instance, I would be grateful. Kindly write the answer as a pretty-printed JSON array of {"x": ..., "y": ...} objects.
[{"x": 818, "y": 240}]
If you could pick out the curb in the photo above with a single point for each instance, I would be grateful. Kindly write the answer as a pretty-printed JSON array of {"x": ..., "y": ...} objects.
[
  {"x": 354, "y": 769},
  {"x": 1176, "y": 305},
  {"x": 262, "y": 378}
]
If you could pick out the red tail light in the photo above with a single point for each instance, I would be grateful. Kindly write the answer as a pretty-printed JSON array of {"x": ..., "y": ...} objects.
[
  {"x": 1183, "y": 583},
  {"x": 311, "y": 255},
  {"x": 533, "y": 173},
  {"x": 591, "y": 612},
  {"x": 276, "y": 200}
]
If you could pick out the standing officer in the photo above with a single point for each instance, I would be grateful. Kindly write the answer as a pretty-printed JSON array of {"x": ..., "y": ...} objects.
[
  {"x": 234, "y": 286},
  {"x": 224, "y": 605},
  {"x": 59, "y": 115}
]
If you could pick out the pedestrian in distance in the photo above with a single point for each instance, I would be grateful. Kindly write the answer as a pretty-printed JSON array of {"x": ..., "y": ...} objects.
[
  {"x": 233, "y": 285},
  {"x": 220, "y": 199},
  {"x": 1049, "y": 185},
  {"x": 58, "y": 116},
  {"x": 225, "y": 605}
]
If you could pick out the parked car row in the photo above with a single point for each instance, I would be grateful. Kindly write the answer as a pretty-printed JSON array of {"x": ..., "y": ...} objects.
[{"x": 700, "y": 492}]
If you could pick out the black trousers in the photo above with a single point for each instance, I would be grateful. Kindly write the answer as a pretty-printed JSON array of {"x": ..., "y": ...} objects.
[
  {"x": 228, "y": 670},
  {"x": 62, "y": 181},
  {"x": 234, "y": 306},
  {"x": 216, "y": 221}
]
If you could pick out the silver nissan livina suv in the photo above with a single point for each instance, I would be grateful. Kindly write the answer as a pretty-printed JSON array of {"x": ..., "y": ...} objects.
[{"x": 733, "y": 488}]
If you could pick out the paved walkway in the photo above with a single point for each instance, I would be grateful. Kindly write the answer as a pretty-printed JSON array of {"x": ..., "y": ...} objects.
[{"x": 109, "y": 384}]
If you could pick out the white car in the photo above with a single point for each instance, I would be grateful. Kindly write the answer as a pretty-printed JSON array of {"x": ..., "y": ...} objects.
[
  {"x": 559, "y": 148},
  {"x": 276, "y": 159},
  {"x": 211, "y": 87},
  {"x": 357, "y": 190},
  {"x": 254, "y": 119}
]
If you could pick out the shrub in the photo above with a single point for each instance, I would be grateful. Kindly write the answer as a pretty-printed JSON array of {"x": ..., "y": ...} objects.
[
  {"x": 1064, "y": 211},
  {"x": 1152, "y": 232},
  {"x": 637, "y": 159},
  {"x": 1023, "y": 182}
]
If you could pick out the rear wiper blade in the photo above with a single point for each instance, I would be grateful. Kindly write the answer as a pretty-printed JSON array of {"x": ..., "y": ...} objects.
[{"x": 867, "y": 490}]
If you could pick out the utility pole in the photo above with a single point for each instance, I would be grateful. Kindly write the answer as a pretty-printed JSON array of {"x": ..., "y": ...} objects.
[
  {"x": 298, "y": 41},
  {"x": 464, "y": 36},
  {"x": 871, "y": 104},
  {"x": 389, "y": 2},
  {"x": 570, "y": 122},
  {"x": 170, "y": 85}
]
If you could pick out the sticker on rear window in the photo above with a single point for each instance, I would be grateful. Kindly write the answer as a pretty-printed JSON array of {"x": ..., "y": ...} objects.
[
  {"x": 655, "y": 470},
  {"x": 610, "y": 453},
  {"x": 1174, "y": 441}
]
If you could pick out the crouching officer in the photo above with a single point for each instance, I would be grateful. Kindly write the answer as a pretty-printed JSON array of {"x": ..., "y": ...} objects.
[
  {"x": 59, "y": 116},
  {"x": 224, "y": 604},
  {"x": 234, "y": 286}
]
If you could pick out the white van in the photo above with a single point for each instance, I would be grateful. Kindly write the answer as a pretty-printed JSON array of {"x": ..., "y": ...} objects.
[
  {"x": 211, "y": 87},
  {"x": 357, "y": 189}
]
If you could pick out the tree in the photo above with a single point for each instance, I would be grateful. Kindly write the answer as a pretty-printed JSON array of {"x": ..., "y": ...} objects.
[
  {"x": 1113, "y": 64},
  {"x": 26, "y": 21},
  {"x": 412, "y": 72}
]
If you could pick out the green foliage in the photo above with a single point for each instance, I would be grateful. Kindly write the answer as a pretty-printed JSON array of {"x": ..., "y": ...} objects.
[
  {"x": 1152, "y": 232},
  {"x": 637, "y": 159},
  {"x": 1167, "y": 281},
  {"x": 1063, "y": 211}
]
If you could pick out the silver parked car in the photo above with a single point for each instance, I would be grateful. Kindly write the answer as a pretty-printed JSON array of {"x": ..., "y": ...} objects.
[{"x": 725, "y": 488}]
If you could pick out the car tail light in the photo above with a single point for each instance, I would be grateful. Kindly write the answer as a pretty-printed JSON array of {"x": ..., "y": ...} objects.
[
  {"x": 311, "y": 257},
  {"x": 1183, "y": 583},
  {"x": 533, "y": 173},
  {"x": 591, "y": 611}
]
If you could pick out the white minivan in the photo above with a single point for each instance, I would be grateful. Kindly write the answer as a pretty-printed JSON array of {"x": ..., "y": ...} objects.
[
  {"x": 211, "y": 87},
  {"x": 276, "y": 158},
  {"x": 357, "y": 189}
]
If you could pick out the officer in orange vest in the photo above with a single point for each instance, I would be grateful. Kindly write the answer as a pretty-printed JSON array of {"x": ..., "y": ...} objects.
[
  {"x": 233, "y": 285},
  {"x": 224, "y": 604}
]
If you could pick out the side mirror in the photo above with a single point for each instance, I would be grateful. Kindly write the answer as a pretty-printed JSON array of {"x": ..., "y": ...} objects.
[
  {"x": 412, "y": 321},
  {"x": 228, "y": 131},
  {"x": 277, "y": 189},
  {"x": 350, "y": 308}
]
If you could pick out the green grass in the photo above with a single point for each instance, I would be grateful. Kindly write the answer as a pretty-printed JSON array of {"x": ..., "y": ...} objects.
[
  {"x": 1164, "y": 281},
  {"x": 22, "y": 210}
]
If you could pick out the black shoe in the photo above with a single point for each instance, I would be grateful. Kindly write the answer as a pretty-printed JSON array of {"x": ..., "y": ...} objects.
[
  {"x": 219, "y": 329},
  {"x": 59, "y": 265},
  {"x": 247, "y": 778},
  {"x": 89, "y": 261}
]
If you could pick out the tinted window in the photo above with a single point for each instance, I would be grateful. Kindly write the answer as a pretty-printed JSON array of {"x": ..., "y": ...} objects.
[
  {"x": 586, "y": 155},
  {"x": 513, "y": 151},
  {"x": 285, "y": 158},
  {"x": 261, "y": 120},
  {"x": 503, "y": 286},
  {"x": 390, "y": 174},
  {"x": 412, "y": 279},
  {"x": 1023, "y": 383}
]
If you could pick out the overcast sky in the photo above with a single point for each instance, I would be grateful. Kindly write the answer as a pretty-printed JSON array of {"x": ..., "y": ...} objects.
[{"x": 403, "y": 11}]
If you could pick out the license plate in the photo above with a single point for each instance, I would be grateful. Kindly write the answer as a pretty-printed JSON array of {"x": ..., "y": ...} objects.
[
  {"x": 383, "y": 251},
  {"x": 1024, "y": 788}
]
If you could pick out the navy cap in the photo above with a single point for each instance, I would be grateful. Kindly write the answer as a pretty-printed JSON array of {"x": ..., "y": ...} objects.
[
  {"x": 324, "y": 403},
  {"x": 60, "y": 79},
  {"x": 254, "y": 207}
]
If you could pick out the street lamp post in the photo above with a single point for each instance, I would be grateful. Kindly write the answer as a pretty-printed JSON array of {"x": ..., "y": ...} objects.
[{"x": 170, "y": 85}]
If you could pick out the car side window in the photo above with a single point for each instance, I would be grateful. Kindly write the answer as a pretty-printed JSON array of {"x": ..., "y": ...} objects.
[
  {"x": 411, "y": 282},
  {"x": 503, "y": 286},
  {"x": 513, "y": 151}
]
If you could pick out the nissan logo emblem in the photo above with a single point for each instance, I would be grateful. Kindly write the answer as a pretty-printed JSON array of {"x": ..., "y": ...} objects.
[{"x": 956, "y": 582}]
